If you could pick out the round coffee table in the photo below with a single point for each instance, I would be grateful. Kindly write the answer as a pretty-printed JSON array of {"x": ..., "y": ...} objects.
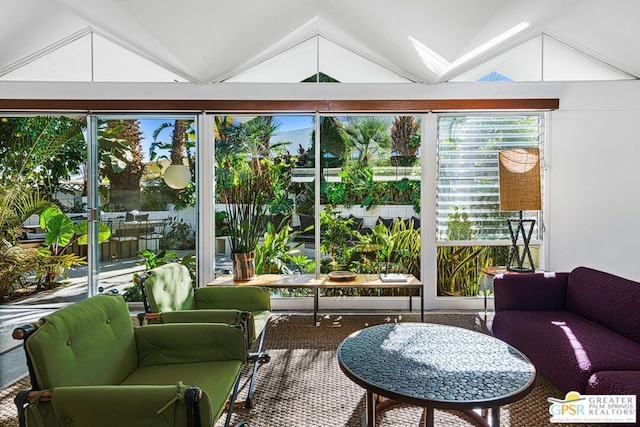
[{"x": 435, "y": 366}]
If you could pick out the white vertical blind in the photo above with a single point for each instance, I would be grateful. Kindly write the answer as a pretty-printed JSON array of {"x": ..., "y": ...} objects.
[{"x": 468, "y": 185}]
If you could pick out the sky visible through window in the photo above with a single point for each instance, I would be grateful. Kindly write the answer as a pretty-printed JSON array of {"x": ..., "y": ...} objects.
[{"x": 148, "y": 126}]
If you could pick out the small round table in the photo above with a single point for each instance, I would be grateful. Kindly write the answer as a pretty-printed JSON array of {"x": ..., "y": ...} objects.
[{"x": 435, "y": 366}]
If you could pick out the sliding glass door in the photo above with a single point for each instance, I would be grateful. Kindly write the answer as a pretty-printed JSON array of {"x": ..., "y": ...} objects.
[{"x": 144, "y": 196}]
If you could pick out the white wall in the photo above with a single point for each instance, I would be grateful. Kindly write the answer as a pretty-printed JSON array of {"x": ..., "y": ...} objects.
[{"x": 594, "y": 172}]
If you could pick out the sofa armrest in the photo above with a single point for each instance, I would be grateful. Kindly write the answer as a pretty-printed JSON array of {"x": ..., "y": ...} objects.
[
  {"x": 530, "y": 292},
  {"x": 230, "y": 317},
  {"x": 189, "y": 343},
  {"x": 246, "y": 298},
  {"x": 116, "y": 405}
]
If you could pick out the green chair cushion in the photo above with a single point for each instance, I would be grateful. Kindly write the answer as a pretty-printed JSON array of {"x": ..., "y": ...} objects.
[
  {"x": 230, "y": 317},
  {"x": 215, "y": 378},
  {"x": 90, "y": 342},
  {"x": 180, "y": 343},
  {"x": 138, "y": 405},
  {"x": 260, "y": 320},
  {"x": 169, "y": 287},
  {"x": 246, "y": 298}
]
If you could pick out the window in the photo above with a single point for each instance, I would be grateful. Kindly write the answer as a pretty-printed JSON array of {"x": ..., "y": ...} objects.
[{"x": 468, "y": 194}]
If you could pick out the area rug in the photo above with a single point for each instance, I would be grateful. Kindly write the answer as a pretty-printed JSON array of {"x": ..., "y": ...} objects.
[{"x": 304, "y": 386}]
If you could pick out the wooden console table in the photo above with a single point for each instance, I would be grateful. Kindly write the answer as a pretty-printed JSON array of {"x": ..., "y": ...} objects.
[{"x": 322, "y": 282}]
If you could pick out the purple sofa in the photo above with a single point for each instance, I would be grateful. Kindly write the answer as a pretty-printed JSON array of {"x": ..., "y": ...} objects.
[{"x": 581, "y": 329}]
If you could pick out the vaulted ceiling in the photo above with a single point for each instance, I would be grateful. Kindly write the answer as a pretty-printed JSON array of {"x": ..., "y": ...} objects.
[{"x": 211, "y": 40}]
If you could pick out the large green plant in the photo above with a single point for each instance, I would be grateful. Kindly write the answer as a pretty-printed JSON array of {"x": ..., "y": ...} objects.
[
  {"x": 245, "y": 188},
  {"x": 274, "y": 255},
  {"x": 37, "y": 153},
  {"x": 61, "y": 234},
  {"x": 337, "y": 240},
  {"x": 249, "y": 180},
  {"x": 399, "y": 247},
  {"x": 15, "y": 261}
]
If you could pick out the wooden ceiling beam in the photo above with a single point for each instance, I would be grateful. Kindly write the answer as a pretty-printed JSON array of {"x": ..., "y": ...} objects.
[{"x": 303, "y": 106}]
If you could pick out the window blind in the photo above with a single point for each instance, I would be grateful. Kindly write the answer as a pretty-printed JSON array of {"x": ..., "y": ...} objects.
[{"x": 468, "y": 186}]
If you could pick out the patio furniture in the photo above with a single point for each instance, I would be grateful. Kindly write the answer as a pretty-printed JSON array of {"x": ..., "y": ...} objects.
[
  {"x": 169, "y": 297},
  {"x": 122, "y": 232},
  {"x": 88, "y": 366},
  {"x": 151, "y": 231},
  {"x": 435, "y": 366},
  {"x": 309, "y": 281}
]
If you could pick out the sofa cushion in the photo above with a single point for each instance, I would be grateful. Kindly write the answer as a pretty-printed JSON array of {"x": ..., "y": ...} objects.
[
  {"x": 356, "y": 222},
  {"x": 605, "y": 299},
  {"x": 90, "y": 342},
  {"x": 387, "y": 222},
  {"x": 614, "y": 382},
  {"x": 211, "y": 377},
  {"x": 564, "y": 347},
  {"x": 530, "y": 291}
]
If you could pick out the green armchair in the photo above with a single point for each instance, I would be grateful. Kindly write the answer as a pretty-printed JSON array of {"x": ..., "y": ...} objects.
[
  {"x": 169, "y": 297},
  {"x": 90, "y": 367}
]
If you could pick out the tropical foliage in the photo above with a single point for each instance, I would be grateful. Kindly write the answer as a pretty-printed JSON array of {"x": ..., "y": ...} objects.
[
  {"x": 460, "y": 266},
  {"x": 252, "y": 176},
  {"x": 181, "y": 150},
  {"x": 275, "y": 256}
]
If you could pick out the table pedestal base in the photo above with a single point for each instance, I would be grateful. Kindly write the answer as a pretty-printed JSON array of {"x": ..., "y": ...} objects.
[{"x": 375, "y": 404}]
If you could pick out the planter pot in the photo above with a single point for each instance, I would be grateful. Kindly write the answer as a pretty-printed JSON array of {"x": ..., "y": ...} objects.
[{"x": 243, "y": 266}]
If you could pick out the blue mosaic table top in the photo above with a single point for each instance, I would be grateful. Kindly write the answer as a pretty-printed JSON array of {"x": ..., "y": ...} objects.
[{"x": 424, "y": 363}]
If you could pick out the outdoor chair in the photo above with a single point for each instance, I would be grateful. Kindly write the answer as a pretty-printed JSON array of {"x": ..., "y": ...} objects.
[
  {"x": 151, "y": 231},
  {"x": 89, "y": 366},
  {"x": 169, "y": 297},
  {"x": 125, "y": 232}
]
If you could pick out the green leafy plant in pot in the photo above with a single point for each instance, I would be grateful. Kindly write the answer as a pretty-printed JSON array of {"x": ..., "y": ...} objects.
[{"x": 246, "y": 189}]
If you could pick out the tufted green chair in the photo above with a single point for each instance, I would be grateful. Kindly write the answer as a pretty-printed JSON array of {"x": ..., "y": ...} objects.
[
  {"x": 170, "y": 297},
  {"x": 89, "y": 367}
]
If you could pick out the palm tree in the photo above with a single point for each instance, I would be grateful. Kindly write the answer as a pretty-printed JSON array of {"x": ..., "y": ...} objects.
[
  {"x": 368, "y": 135},
  {"x": 405, "y": 136},
  {"x": 125, "y": 181}
]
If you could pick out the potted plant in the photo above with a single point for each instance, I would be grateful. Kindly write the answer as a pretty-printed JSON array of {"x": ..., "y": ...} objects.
[{"x": 245, "y": 189}]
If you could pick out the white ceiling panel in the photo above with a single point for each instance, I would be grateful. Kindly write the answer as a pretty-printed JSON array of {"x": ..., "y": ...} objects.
[{"x": 214, "y": 40}]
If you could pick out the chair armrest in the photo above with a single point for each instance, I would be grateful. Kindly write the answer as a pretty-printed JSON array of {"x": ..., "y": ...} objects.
[
  {"x": 114, "y": 405},
  {"x": 530, "y": 292},
  {"x": 189, "y": 343},
  {"x": 246, "y": 298},
  {"x": 230, "y": 317}
]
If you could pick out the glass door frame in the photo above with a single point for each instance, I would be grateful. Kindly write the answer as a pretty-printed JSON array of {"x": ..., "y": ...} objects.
[{"x": 93, "y": 202}]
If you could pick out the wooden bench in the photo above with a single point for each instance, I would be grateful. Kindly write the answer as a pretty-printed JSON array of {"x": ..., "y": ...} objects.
[
  {"x": 310, "y": 281},
  {"x": 30, "y": 243}
]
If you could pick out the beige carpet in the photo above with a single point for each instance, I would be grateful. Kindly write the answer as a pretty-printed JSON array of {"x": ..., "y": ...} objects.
[{"x": 304, "y": 386}]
